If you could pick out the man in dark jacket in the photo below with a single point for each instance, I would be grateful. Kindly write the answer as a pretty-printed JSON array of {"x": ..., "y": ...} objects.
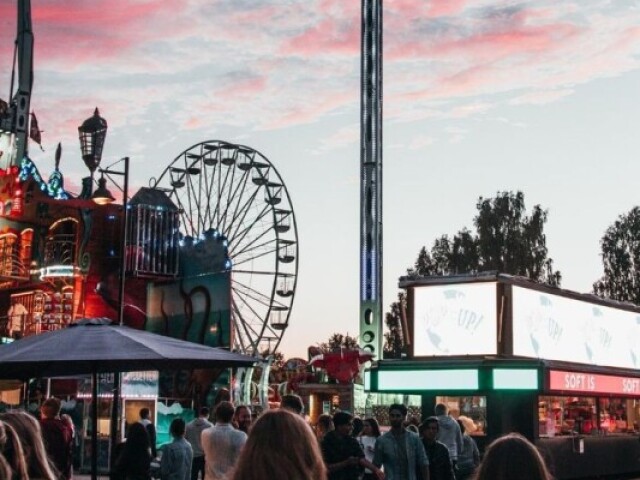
[
  {"x": 58, "y": 437},
  {"x": 440, "y": 467}
]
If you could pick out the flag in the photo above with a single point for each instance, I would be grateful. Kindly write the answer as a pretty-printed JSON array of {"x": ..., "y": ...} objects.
[{"x": 35, "y": 133}]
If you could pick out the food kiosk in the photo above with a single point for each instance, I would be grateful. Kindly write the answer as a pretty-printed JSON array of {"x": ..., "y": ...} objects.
[{"x": 508, "y": 354}]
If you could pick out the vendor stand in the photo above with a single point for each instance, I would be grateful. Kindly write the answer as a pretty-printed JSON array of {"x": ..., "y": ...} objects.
[{"x": 559, "y": 367}]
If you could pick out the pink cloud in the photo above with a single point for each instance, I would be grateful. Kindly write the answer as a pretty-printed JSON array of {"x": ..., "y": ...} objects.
[{"x": 328, "y": 36}]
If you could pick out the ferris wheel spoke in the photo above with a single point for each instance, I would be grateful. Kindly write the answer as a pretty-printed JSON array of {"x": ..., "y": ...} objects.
[
  {"x": 209, "y": 182},
  {"x": 262, "y": 254},
  {"x": 228, "y": 189},
  {"x": 183, "y": 213},
  {"x": 239, "y": 215},
  {"x": 242, "y": 234},
  {"x": 238, "y": 194},
  {"x": 238, "y": 321},
  {"x": 251, "y": 246},
  {"x": 219, "y": 194},
  {"x": 197, "y": 201},
  {"x": 245, "y": 322},
  {"x": 255, "y": 295}
]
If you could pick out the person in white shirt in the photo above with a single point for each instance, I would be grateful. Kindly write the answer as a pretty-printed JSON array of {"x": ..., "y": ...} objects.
[{"x": 222, "y": 444}]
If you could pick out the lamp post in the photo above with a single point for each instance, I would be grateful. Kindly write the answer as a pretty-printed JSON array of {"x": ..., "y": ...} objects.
[
  {"x": 102, "y": 196},
  {"x": 93, "y": 133}
]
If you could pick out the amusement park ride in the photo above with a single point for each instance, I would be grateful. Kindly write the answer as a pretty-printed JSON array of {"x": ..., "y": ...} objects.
[{"x": 211, "y": 246}]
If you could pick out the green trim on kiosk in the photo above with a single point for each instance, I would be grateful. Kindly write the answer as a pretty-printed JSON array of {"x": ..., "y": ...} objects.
[
  {"x": 515, "y": 379},
  {"x": 425, "y": 380}
]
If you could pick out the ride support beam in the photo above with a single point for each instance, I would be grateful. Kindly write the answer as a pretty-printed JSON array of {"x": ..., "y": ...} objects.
[{"x": 370, "y": 337}]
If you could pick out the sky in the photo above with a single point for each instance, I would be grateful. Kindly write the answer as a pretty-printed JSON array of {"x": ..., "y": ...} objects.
[{"x": 479, "y": 96}]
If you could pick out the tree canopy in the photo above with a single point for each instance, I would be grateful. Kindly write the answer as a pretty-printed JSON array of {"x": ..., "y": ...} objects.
[
  {"x": 620, "y": 248},
  {"x": 506, "y": 239},
  {"x": 337, "y": 341}
]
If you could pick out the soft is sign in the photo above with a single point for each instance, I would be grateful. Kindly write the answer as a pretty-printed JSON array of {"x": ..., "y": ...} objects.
[{"x": 593, "y": 383}]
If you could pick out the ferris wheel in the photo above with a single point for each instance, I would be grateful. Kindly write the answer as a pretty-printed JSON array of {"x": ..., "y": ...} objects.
[{"x": 237, "y": 193}]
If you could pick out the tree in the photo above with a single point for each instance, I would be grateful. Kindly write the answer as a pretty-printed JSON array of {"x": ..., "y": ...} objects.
[
  {"x": 337, "y": 341},
  {"x": 394, "y": 337},
  {"x": 621, "y": 259},
  {"x": 505, "y": 240}
]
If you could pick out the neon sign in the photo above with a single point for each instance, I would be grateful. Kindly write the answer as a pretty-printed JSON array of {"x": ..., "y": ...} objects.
[{"x": 593, "y": 383}]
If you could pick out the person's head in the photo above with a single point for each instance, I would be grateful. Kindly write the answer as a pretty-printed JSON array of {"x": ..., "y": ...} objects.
[
  {"x": 28, "y": 429},
  {"x": 223, "y": 395},
  {"x": 292, "y": 402},
  {"x": 441, "y": 409},
  {"x": 204, "y": 412},
  {"x": 281, "y": 445},
  {"x": 323, "y": 425},
  {"x": 370, "y": 427},
  {"x": 224, "y": 412},
  {"x": 11, "y": 450},
  {"x": 512, "y": 457},
  {"x": 343, "y": 423},
  {"x": 357, "y": 426},
  {"x": 144, "y": 413},
  {"x": 138, "y": 438},
  {"x": 50, "y": 407},
  {"x": 397, "y": 414},
  {"x": 429, "y": 429},
  {"x": 177, "y": 428},
  {"x": 242, "y": 417}
]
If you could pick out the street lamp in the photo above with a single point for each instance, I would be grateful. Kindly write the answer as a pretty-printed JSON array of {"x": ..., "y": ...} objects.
[
  {"x": 102, "y": 196},
  {"x": 93, "y": 133}
]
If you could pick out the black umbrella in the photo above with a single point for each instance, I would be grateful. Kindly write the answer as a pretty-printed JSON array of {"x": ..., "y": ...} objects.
[{"x": 93, "y": 346}]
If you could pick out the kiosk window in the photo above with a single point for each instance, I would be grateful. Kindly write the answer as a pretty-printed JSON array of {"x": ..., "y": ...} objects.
[
  {"x": 566, "y": 415},
  {"x": 472, "y": 411},
  {"x": 618, "y": 415}
]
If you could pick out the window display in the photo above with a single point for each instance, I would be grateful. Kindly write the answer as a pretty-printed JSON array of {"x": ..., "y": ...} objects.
[
  {"x": 471, "y": 410},
  {"x": 618, "y": 415},
  {"x": 566, "y": 415}
]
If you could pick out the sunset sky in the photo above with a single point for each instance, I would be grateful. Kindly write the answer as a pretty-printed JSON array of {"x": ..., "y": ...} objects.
[{"x": 479, "y": 96}]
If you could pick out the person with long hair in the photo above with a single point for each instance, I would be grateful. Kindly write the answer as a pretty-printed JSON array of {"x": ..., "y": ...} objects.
[
  {"x": 28, "y": 430},
  {"x": 323, "y": 426},
  {"x": 134, "y": 461},
  {"x": 512, "y": 457},
  {"x": 280, "y": 446},
  {"x": 367, "y": 440},
  {"x": 5, "y": 469},
  {"x": 12, "y": 452}
]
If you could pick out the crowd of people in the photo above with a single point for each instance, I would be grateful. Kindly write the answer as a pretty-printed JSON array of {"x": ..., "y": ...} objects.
[{"x": 227, "y": 444}]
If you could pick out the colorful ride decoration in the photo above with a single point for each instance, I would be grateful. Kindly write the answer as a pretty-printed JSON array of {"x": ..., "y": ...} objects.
[{"x": 342, "y": 365}]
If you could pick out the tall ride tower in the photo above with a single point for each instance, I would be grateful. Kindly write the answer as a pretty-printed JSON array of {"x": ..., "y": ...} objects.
[{"x": 371, "y": 178}]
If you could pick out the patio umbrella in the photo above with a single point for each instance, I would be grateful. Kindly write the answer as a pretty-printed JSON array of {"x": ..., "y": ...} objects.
[{"x": 93, "y": 346}]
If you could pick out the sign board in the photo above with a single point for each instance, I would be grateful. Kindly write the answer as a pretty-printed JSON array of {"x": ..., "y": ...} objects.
[
  {"x": 455, "y": 319},
  {"x": 584, "y": 382},
  {"x": 559, "y": 328}
]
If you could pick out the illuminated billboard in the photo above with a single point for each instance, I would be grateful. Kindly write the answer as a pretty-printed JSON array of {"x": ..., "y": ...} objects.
[
  {"x": 559, "y": 328},
  {"x": 455, "y": 319}
]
